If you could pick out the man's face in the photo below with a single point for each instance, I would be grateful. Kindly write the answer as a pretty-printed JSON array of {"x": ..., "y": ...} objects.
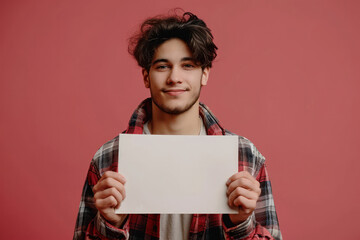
[{"x": 174, "y": 79}]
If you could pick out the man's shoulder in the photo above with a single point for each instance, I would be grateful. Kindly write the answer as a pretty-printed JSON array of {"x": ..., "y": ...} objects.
[{"x": 243, "y": 141}]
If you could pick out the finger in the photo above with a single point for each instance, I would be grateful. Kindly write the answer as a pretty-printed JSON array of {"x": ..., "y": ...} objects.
[
  {"x": 110, "y": 192},
  {"x": 242, "y": 174},
  {"x": 239, "y": 175},
  {"x": 105, "y": 182},
  {"x": 243, "y": 193},
  {"x": 246, "y": 205},
  {"x": 109, "y": 202},
  {"x": 115, "y": 175},
  {"x": 109, "y": 183},
  {"x": 241, "y": 182}
]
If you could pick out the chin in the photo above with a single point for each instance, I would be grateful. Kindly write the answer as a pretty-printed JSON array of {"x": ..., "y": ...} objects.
[{"x": 174, "y": 110}]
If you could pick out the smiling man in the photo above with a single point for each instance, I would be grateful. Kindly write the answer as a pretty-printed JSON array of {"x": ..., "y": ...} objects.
[
  {"x": 176, "y": 54},
  {"x": 175, "y": 80},
  {"x": 177, "y": 77}
]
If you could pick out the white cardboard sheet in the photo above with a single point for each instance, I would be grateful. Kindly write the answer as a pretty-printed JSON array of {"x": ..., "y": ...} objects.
[{"x": 176, "y": 174}]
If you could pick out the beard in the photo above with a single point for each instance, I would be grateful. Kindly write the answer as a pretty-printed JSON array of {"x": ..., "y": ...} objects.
[{"x": 177, "y": 109}]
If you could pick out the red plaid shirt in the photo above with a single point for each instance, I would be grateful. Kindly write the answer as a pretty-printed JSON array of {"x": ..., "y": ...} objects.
[{"x": 263, "y": 224}]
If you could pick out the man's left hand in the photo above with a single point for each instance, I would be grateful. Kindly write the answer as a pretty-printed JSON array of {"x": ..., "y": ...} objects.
[{"x": 243, "y": 193}]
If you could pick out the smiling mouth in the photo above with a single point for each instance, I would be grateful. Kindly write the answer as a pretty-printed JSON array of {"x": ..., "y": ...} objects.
[{"x": 174, "y": 92}]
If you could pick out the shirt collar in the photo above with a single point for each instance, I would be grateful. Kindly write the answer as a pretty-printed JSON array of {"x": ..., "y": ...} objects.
[{"x": 142, "y": 114}]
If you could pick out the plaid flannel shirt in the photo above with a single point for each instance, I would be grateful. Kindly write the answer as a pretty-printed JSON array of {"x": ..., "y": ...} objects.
[{"x": 263, "y": 224}]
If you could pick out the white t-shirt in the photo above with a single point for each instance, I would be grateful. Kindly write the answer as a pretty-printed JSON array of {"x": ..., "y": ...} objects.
[{"x": 175, "y": 226}]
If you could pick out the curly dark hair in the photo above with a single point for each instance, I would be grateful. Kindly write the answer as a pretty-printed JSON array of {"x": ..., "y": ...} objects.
[{"x": 188, "y": 27}]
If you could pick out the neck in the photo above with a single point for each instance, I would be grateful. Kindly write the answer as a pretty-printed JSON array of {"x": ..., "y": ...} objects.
[{"x": 187, "y": 123}]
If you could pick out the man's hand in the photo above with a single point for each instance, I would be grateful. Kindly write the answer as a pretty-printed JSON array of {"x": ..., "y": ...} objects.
[
  {"x": 243, "y": 192},
  {"x": 109, "y": 192}
]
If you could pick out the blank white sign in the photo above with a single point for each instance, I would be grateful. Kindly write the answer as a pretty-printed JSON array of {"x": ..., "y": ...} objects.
[{"x": 176, "y": 174}]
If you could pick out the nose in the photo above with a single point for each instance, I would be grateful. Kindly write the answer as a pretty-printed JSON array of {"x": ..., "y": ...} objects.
[{"x": 174, "y": 76}]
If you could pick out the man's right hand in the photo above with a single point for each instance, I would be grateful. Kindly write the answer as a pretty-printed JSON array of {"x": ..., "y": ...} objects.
[{"x": 109, "y": 192}]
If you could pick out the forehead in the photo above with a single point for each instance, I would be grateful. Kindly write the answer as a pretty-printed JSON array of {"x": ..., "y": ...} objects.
[{"x": 172, "y": 50}]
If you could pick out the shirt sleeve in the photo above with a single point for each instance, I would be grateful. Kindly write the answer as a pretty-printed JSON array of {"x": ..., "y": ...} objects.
[
  {"x": 263, "y": 224},
  {"x": 265, "y": 212},
  {"x": 90, "y": 224},
  {"x": 238, "y": 231}
]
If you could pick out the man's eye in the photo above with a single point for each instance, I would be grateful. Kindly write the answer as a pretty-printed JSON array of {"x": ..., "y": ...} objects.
[
  {"x": 160, "y": 67},
  {"x": 189, "y": 66}
]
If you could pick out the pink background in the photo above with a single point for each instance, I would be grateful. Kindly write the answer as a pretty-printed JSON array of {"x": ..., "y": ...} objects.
[{"x": 287, "y": 77}]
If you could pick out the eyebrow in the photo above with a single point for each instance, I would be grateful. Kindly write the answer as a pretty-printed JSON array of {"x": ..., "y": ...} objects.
[{"x": 166, "y": 60}]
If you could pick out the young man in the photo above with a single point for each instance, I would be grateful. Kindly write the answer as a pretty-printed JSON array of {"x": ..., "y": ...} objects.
[{"x": 176, "y": 55}]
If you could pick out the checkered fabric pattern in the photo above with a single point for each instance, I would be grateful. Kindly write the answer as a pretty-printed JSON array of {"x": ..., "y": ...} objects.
[{"x": 263, "y": 224}]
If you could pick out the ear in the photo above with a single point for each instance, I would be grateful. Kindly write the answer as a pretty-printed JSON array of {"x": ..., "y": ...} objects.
[
  {"x": 205, "y": 76},
  {"x": 146, "y": 78}
]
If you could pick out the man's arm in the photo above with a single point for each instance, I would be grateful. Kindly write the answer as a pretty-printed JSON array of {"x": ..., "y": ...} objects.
[
  {"x": 96, "y": 217},
  {"x": 243, "y": 194},
  {"x": 262, "y": 223}
]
